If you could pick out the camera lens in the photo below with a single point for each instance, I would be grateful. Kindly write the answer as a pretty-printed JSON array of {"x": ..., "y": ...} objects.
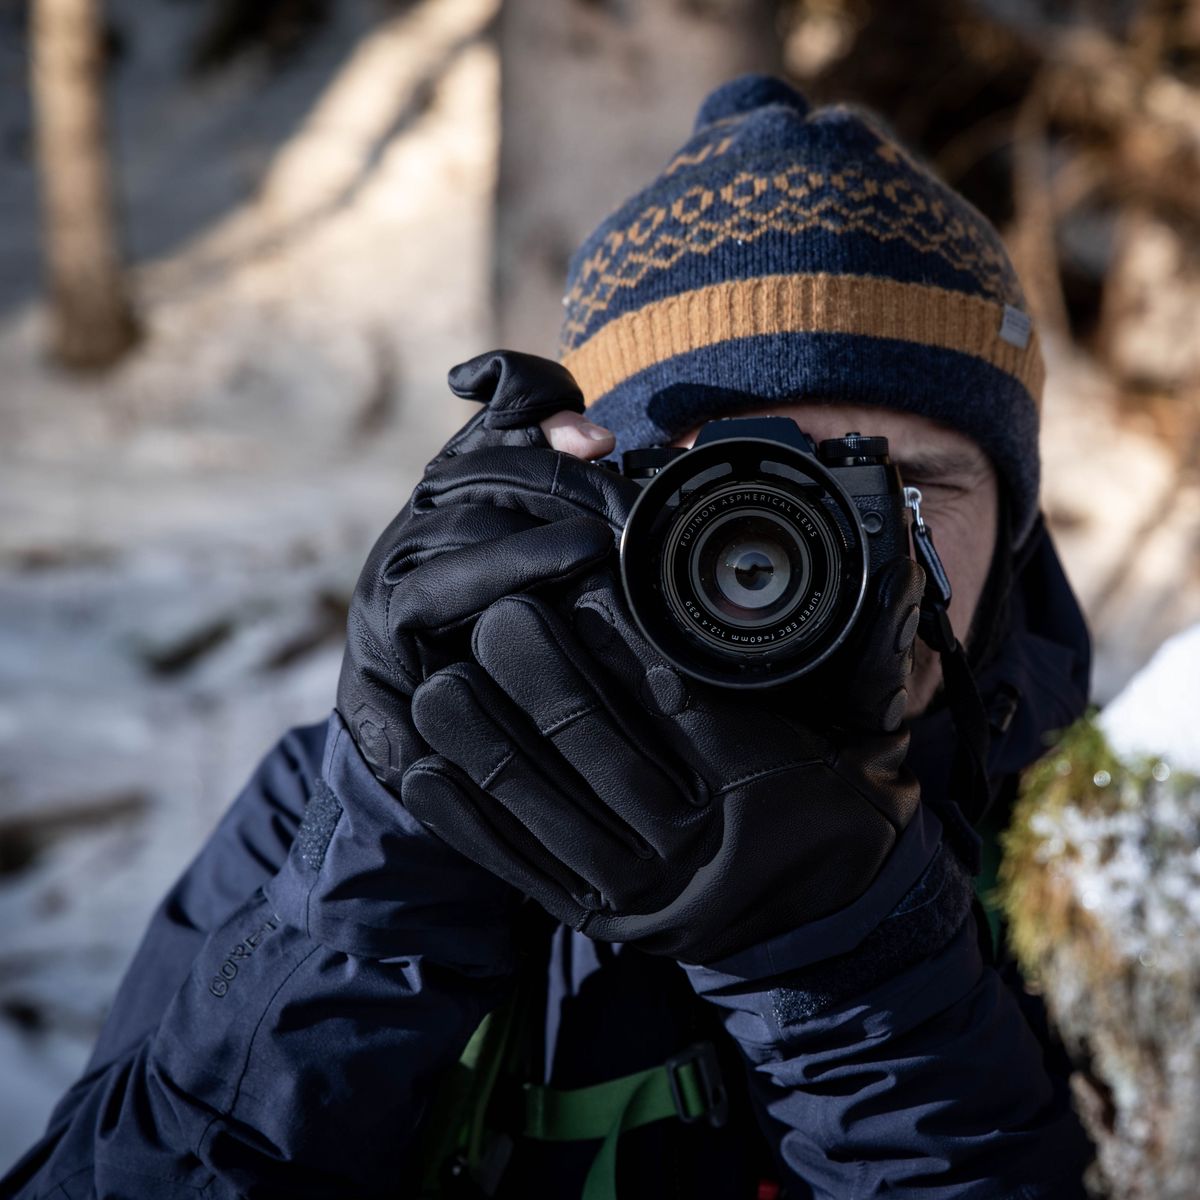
[
  {"x": 747, "y": 566},
  {"x": 744, "y": 561},
  {"x": 751, "y": 568}
]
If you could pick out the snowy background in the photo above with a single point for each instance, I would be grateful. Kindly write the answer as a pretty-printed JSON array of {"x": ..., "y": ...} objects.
[
  {"x": 178, "y": 540},
  {"x": 314, "y": 244}
]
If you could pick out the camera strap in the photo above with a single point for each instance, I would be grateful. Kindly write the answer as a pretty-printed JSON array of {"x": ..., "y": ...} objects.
[{"x": 970, "y": 790}]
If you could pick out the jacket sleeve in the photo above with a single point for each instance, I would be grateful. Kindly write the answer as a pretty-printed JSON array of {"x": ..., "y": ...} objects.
[
  {"x": 902, "y": 1066},
  {"x": 293, "y": 1005}
]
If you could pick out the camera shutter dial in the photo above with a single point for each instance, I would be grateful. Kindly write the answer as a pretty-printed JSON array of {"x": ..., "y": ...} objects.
[{"x": 854, "y": 450}]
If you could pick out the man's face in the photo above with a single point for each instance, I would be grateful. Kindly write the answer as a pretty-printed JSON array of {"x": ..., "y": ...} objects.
[
  {"x": 958, "y": 488},
  {"x": 959, "y": 503}
]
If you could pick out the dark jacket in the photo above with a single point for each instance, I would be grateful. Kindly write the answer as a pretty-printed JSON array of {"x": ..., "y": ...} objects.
[{"x": 297, "y": 999}]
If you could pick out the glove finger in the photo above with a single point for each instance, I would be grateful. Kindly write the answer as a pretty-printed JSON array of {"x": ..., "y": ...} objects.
[
  {"x": 467, "y": 720},
  {"x": 548, "y": 485},
  {"x": 699, "y": 724},
  {"x": 414, "y": 538},
  {"x": 378, "y": 658},
  {"x": 536, "y": 660},
  {"x": 518, "y": 391},
  {"x": 446, "y": 802},
  {"x": 409, "y": 540},
  {"x": 882, "y": 658},
  {"x": 456, "y": 585}
]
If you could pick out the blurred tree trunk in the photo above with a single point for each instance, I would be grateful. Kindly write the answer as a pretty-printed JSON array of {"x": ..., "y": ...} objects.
[
  {"x": 92, "y": 322},
  {"x": 596, "y": 95}
]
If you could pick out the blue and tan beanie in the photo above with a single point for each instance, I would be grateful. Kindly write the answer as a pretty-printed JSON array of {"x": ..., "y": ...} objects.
[{"x": 794, "y": 254}]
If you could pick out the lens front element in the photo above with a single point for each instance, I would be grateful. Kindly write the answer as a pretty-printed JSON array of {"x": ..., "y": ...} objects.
[
  {"x": 747, "y": 566},
  {"x": 753, "y": 569}
]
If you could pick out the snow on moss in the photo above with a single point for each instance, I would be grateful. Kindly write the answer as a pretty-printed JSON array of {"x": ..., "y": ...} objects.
[{"x": 1101, "y": 885}]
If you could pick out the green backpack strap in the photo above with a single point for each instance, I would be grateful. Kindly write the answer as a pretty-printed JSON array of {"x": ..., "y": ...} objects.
[
  {"x": 686, "y": 1087},
  {"x": 455, "y": 1140},
  {"x": 465, "y": 1148},
  {"x": 463, "y": 1154}
]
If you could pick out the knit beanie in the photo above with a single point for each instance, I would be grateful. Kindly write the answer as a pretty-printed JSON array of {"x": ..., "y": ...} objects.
[{"x": 789, "y": 254}]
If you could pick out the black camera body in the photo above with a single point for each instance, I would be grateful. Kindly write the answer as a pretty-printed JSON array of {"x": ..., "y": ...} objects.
[{"x": 747, "y": 558}]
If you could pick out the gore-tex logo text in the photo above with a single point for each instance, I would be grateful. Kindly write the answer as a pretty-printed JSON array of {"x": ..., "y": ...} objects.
[{"x": 219, "y": 983}]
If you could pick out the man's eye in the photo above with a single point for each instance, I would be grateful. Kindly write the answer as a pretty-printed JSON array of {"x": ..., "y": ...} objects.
[{"x": 936, "y": 487}]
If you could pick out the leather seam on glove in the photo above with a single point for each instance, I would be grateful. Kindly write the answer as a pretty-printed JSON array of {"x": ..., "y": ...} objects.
[
  {"x": 490, "y": 777},
  {"x": 585, "y": 670},
  {"x": 519, "y": 491},
  {"x": 371, "y": 646},
  {"x": 416, "y": 558},
  {"x": 865, "y": 795},
  {"x": 558, "y": 725},
  {"x": 412, "y": 683},
  {"x": 777, "y": 769}
]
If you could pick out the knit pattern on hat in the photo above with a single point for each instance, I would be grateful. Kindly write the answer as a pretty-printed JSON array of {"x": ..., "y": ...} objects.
[{"x": 794, "y": 254}]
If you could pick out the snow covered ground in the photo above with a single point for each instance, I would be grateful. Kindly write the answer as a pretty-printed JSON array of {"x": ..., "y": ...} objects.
[{"x": 178, "y": 540}]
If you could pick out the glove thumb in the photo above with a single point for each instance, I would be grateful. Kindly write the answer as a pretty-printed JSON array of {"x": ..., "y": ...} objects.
[{"x": 518, "y": 389}]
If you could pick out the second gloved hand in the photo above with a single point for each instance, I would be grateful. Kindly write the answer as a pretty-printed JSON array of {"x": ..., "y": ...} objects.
[
  {"x": 405, "y": 622},
  {"x": 637, "y": 807}
]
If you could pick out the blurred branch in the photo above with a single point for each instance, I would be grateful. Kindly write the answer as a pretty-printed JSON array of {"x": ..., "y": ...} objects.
[
  {"x": 1034, "y": 236},
  {"x": 1149, "y": 118}
]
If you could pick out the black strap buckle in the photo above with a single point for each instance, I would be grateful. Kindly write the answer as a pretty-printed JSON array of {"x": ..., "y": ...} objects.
[{"x": 703, "y": 1058}]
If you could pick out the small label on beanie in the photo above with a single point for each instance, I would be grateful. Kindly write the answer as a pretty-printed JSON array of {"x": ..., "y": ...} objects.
[{"x": 1016, "y": 327}]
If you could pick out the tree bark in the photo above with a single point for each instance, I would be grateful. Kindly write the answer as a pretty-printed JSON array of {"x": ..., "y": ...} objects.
[
  {"x": 596, "y": 95},
  {"x": 92, "y": 320}
]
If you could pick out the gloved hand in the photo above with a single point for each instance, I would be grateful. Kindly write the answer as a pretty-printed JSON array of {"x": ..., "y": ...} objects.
[
  {"x": 579, "y": 766},
  {"x": 387, "y": 656}
]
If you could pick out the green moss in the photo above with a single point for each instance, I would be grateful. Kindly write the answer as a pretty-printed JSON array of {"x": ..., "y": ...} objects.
[
  {"x": 1098, "y": 885},
  {"x": 1081, "y": 772}
]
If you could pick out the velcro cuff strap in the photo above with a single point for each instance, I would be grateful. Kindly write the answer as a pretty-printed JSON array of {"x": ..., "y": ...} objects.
[{"x": 918, "y": 927}]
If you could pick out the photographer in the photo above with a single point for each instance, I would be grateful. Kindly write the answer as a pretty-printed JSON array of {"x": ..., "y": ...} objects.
[{"x": 725, "y": 936}]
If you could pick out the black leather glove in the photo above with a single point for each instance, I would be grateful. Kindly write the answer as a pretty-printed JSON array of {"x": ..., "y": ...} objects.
[
  {"x": 579, "y": 766},
  {"x": 404, "y": 624},
  {"x": 732, "y": 852}
]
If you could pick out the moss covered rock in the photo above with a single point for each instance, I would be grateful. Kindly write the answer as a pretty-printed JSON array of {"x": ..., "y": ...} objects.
[{"x": 1101, "y": 886}]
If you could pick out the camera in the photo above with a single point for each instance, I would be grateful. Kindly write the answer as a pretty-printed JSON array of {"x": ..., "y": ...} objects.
[{"x": 747, "y": 558}]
